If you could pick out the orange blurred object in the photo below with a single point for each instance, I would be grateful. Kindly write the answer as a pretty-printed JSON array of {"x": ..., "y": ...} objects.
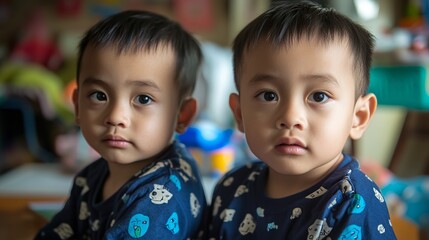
[{"x": 68, "y": 92}]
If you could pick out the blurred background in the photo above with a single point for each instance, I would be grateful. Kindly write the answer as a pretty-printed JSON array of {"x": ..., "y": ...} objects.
[{"x": 41, "y": 148}]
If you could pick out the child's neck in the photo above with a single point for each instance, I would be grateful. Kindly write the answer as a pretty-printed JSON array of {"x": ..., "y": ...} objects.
[
  {"x": 119, "y": 174},
  {"x": 281, "y": 185}
]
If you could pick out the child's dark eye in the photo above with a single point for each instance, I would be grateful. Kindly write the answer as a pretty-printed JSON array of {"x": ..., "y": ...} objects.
[
  {"x": 268, "y": 96},
  {"x": 143, "y": 99},
  {"x": 319, "y": 97},
  {"x": 98, "y": 96}
]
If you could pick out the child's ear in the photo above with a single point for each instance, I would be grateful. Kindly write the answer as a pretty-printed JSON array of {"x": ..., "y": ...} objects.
[
  {"x": 364, "y": 110},
  {"x": 75, "y": 99},
  {"x": 234, "y": 104},
  {"x": 186, "y": 114}
]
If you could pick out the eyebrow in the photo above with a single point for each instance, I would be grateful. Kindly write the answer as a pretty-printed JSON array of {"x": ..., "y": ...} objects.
[
  {"x": 261, "y": 78},
  {"x": 325, "y": 78},
  {"x": 135, "y": 83}
]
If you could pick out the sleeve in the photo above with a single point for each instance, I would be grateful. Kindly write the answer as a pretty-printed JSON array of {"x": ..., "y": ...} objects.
[
  {"x": 166, "y": 208},
  {"x": 362, "y": 214},
  {"x": 64, "y": 224}
]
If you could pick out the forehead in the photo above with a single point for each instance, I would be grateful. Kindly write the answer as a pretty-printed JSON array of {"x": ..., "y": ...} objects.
[
  {"x": 302, "y": 56},
  {"x": 303, "y": 44},
  {"x": 108, "y": 63}
]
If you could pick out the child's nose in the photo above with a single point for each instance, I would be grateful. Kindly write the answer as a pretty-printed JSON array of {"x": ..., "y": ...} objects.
[
  {"x": 117, "y": 116},
  {"x": 291, "y": 115}
]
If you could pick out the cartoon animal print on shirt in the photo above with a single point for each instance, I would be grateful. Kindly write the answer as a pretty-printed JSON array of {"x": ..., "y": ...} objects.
[
  {"x": 186, "y": 167},
  {"x": 241, "y": 190},
  {"x": 64, "y": 231},
  {"x": 138, "y": 225},
  {"x": 318, "y": 230},
  {"x": 260, "y": 212},
  {"x": 346, "y": 186},
  {"x": 272, "y": 226},
  {"x": 352, "y": 232},
  {"x": 172, "y": 223},
  {"x": 216, "y": 205},
  {"x": 153, "y": 169},
  {"x": 160, "y": 194},
  {"x": 296, "y": 213},
  {"x": 95, "y": 225},
  {"x": 378, "y": 195},
  {"x": 228, "y": 182},
  {"x": 252, "y": 176},
  {"x": 83, "y": 211},
  {"x": 247, "y": 225},
  {"x": 81, "y": 182},
  {"x": 319, "y": 192},
  {"x": 195, "y": 205},
  {"x": 227, "y": 215},
  {"x": 358, "y": 204},
  {"x": 381, "y": 229},
  {"x": 176, "y": 181}
]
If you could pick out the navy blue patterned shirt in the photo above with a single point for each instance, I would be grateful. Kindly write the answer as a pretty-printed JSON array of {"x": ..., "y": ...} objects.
[
  {"x": 162, "y": 201},
  {"x": 345, "y": 205}
]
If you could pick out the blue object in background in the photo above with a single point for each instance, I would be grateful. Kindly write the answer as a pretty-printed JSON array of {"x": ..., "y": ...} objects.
[
  {"x": 212, "y": 147},
  {"x": 409, "y": 198},
  {"x": 206, "y": 136}
]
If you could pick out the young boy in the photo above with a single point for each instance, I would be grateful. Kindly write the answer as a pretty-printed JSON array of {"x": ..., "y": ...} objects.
[
  {"x": 136, "y": 73},
  {"x": 302, "y": 74}
]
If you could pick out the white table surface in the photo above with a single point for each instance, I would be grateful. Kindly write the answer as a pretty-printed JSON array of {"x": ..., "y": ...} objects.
[
  {"x": 47, "y": 179},
  {"x": 41, "y": 179}
]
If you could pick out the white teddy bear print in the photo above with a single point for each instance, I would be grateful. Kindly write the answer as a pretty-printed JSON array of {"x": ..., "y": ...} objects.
[
  {"x": 247, "y": 225},
  {"x": 227, "y": 215},
  {"x": 160, "y": 194}
]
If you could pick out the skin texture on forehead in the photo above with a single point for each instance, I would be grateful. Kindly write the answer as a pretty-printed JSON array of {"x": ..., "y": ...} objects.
[{"x": 115, "y": 52}]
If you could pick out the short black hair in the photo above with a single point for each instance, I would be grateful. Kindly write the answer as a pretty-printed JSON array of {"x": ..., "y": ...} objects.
[
  {"x": 286, "y": 22},
  {"x": 133, "y": 30}
]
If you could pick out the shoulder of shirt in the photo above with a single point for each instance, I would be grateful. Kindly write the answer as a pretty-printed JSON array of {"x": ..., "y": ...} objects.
[
  {"x": 361, "y": 182},
  {"x": 178, "y": 167},
  {"x": 241, "y": 173}
]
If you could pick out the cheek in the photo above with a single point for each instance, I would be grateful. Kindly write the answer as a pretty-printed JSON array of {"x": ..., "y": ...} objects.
[
  {"x": 334, "y": 128},
  {"x": 257, "y": 131},
  {"x": 254, "y": 126},
  {"x": 160, "y": 123},
  {"x": 89, "y": 118},
  {"x": 257, "y": 117},
  {"x": 158, "y": 126}
]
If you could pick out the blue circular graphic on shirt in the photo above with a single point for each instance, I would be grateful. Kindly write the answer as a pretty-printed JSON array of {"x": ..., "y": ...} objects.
[
  {"x": 176, "y": 181},
  {"x": 358, "y": 204},
  {"x": 351, "y": 232},
  {"x": 138, "y": 225}
]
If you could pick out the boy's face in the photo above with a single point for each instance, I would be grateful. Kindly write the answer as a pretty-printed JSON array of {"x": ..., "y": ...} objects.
[
  {"x": 297, "y": 105},
  {"x": 127, "y": 105}
]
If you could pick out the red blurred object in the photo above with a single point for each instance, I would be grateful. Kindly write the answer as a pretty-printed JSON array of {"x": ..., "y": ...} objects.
[
  {"x": 195, "y": 15},
  {"x": 37, "y": 44},
  {"x": 68, "y": 8}
]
